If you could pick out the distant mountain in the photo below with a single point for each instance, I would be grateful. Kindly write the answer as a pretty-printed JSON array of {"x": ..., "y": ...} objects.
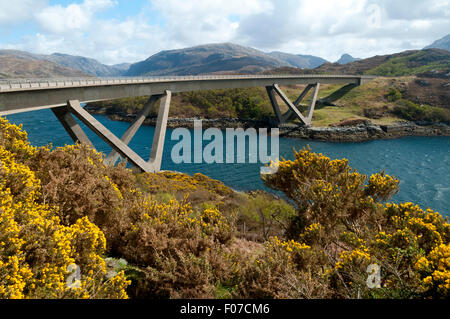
[
  {"x": 85, "y": 65},
  {"x": 203, "y": 59},
  {"x": 443, "y": 43},
  {"x": 122, "y": 67},
  {"x": 398, "y": 64},
  {"x": 299, "y": 61},
  {"x": 21, "y": 66},
  {"x": 347, "y": 58}
]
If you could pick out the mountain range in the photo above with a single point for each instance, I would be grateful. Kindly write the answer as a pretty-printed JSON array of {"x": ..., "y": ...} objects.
[
  {"x": 20, "y": 66},
  {"x": 404, "y": 63},
  {"x": 224, "y": 58},
  {"x": 54, "y": 65},
  {"x": 219, "y": 57}
]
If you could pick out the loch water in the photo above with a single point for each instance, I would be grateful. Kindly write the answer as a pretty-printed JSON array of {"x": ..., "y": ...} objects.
[{"x": 421, "y": 163}]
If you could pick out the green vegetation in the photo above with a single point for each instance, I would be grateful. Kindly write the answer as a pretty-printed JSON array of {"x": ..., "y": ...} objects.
[
  {"x": 170, "y": 235},
  {"x": 413, "y": 112},
  {"x": 340, "y": 229},
  {"x": 393, "y": 95},
  {"x": 418, "y": 62},
  {"x": 250, "y": 103}
]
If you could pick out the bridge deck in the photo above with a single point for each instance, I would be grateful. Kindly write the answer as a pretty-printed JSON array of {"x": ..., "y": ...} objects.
[{"x": 22, "y": 95}]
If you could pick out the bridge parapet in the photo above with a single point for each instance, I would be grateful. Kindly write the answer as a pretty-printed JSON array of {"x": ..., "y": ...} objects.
[{"x": 40, "y": 83}]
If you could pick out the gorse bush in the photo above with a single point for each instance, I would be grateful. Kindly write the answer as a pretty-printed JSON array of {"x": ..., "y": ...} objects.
[
  {"x": 96, "y": 210},
  {"x": 342, "y": 219},
  {"x": 36, "y": 248},
  {"x": 328, "y": 191},
  {"x": 172, "y": 246}
]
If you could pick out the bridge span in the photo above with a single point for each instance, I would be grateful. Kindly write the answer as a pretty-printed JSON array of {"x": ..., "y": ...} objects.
[{"x": 63, "y": 97}]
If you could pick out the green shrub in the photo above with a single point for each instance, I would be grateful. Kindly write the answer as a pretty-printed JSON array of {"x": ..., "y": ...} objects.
[
  {"x": 37, "y": 246},
  {"x": 265, "y": 215},
  {"x": 413, "y": 112},
  {"x": 393, "y": 95},
  {"x": 342, "y": 226},
  {"x": 250, "y": 103}
]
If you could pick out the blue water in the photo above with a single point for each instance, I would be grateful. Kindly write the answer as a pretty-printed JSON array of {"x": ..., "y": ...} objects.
[{"x": 421, "y": 163}]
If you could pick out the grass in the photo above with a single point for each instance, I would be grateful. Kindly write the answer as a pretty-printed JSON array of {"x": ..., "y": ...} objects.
[{"x": 373, "y": 96}]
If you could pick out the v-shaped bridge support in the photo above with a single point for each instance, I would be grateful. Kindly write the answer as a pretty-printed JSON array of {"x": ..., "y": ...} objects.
[
  {"x": 120, "y": 146},
  {"x": 293, "y": 107}
]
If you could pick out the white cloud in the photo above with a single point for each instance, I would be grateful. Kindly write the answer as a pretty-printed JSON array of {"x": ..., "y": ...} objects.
[
  {"x": 205, "y": 21},
  {"x": 361, "y": 27},
  {"x": 16, "y": 11},
  {"x": 75, "y": 17},
  {"x": 326, "y": 28}
]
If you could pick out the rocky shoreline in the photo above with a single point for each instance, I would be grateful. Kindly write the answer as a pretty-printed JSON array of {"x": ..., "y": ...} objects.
[{"x": 365, "y": 131}]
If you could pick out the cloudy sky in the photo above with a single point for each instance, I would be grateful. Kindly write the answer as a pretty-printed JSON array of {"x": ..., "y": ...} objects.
[{"x": 116, "y": 31}]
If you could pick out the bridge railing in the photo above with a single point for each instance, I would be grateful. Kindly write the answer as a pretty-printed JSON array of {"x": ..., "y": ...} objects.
[{"x": 17, "y": 84}]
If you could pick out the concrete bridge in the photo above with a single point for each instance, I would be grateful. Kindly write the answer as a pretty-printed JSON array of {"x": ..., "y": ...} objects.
[{"x": 63, "y": 97}]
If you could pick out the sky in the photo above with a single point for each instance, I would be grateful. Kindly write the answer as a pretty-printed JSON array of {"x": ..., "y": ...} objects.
[{"x": 118, "y": 31}]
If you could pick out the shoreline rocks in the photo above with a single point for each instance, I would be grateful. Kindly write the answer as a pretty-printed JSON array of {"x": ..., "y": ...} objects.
[{"x": 365, "y": 131}]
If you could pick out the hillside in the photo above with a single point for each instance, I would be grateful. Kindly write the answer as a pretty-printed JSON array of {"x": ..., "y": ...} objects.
[
  {"x": 399, "y": 64},
  {"x": 79, "y": 63},
  {"x": 443, "y": 43},
  {"x": 19, "y": 67}
]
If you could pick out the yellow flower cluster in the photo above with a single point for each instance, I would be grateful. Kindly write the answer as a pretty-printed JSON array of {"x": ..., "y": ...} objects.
[
  {"x": 210, "y": 221},
  {"x": 213, "y": 221},
  {"x": 435, "y": 270},
  {"x": 289, "y": 246},
  {"x": 382, "y": 185},
  {"x": 173, "y": 212},
  {"x": 310, "y": 232},
  {"x": 35, "y": 248},
  {"x": 354, "y": 257},
  {"x": 114, "y": 186},
  {"x": 427, "y": 227},
  {"x": 170, "y": 181}
]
